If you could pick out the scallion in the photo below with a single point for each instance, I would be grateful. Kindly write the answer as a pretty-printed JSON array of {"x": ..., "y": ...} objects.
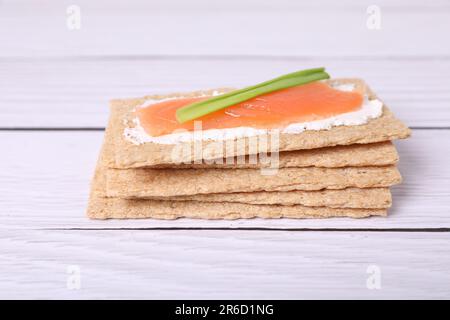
[{"x": 202, "y": 108}]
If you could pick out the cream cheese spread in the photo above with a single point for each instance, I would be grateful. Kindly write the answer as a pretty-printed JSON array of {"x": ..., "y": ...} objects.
[{"x": 371, "y": 108}]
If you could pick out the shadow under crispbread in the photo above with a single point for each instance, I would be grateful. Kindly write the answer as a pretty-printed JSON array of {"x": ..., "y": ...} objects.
[
  {"x": 102, "y": 207},
  {"x": 129, "y": 155}
]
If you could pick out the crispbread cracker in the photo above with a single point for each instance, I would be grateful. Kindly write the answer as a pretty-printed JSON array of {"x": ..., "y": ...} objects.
[
  {"x": 101, "y": 207},
  {"x": 138, "y": 183},
  {"x": 354, "y": 155},
  {"x": 345, "y": 198},
  {"x": 129, "y": 155},
  {"x": 149, "y": 182},
  {"x": 104, "y": 208}
]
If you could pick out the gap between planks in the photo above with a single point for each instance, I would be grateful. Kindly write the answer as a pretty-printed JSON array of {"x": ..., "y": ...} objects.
[
  {"x": 227, "y": 57},
  {"x": 411, "y": 230}
]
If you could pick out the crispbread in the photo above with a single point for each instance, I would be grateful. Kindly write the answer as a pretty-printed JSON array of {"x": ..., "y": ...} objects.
[
  {"x": 101, "y": 207},
  {"x": 149, "y": 182},
  {"x": 345, "y": 198},
  {"x": 354, "y": 155},
  {"x": 104, "y": 208},
  {"x": 129, "y": 155},
  {"x": 138, "y": 183}
]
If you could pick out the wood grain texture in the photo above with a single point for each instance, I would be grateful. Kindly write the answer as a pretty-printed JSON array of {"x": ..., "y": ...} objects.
[
  {"x": 223, "y": 264},
  {"x": 224, "y": 27},
  {"x": 45, "y": 180}
]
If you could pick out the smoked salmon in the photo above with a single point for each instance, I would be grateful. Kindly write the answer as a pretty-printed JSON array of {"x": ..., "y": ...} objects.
[{"x": 309, "y": 102}]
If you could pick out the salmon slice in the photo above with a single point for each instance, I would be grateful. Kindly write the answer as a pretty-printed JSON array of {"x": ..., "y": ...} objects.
[{"x": 309, "y": 102}]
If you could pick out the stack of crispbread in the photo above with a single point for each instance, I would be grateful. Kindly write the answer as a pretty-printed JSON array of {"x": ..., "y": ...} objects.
[{"x": 345, "y": 171}]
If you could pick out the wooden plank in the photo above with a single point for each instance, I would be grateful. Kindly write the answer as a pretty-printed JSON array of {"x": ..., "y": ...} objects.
[
  {"x": 75, "y": 93},
  {"x": 53, "y": 77},
  {"x": 226, "y": 27},
  {"x": 224, "y": 264},
  {"x": 45, "y": 181}
]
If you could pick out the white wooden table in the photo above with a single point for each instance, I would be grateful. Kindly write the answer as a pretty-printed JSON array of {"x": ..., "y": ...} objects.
[{"x": 55, "y": 84}]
